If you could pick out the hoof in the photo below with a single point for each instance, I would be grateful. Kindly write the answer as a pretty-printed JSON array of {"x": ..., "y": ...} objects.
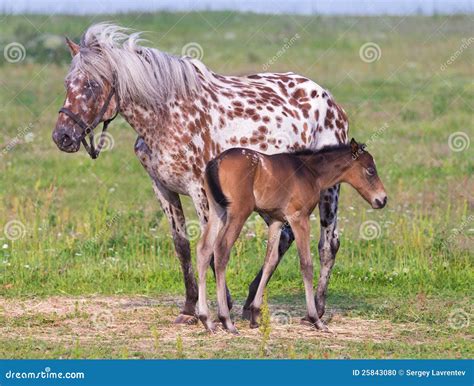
[
  {"x": 208, "y": 325},
  {"x": 246, "y": 313},
  {"x": 311, "y": 322},
  {"x": 186, "y": 319},
  {"x": 321, "y": 326},
  {"x": 254, "y": 325},
  {"x": 233, "y": 330}
]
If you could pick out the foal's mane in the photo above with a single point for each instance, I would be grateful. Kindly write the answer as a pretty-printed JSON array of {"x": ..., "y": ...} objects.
[
  {"x": 145, "y": 75},
  {"x": 324, "y": 150}
]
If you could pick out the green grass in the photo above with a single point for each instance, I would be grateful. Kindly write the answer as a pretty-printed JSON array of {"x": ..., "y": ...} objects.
[{"x": 96, "y": 228}]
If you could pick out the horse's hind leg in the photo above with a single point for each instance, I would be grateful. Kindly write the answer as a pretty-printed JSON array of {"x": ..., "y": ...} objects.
[
  {"x": 222, "y": 248},
  {"x": 286, "y": 238},
  {"x": 328, "y": 243},
  {"x": 271, "y": 261}
]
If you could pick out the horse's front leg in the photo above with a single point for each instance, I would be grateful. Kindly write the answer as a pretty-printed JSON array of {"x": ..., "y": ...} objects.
[
  {"x": 328, "y": 243},
  {"x": 171, "y": 205}
]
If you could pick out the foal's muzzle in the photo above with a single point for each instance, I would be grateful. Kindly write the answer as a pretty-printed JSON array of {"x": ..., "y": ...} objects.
[{"x": 380, "y": 202}]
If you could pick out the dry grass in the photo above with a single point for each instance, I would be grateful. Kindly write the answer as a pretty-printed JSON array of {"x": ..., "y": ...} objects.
[{"x": 145, "y": 326}]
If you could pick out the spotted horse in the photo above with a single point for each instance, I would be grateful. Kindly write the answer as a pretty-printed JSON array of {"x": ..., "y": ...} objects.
[{"x": 185, "y": 115}]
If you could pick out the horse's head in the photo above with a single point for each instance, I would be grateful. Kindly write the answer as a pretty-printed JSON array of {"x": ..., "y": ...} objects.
[
  {"x": 364, "y": 178},
  {"x": 90, "y": 100}
]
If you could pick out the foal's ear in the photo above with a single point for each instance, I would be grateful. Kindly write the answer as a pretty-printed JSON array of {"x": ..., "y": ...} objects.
[
  {"x": 73, "y": 47},
  {"x": 354, "y": 147}
]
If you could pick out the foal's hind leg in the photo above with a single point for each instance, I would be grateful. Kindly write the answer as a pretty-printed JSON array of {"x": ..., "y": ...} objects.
[
  {"x": 204, "y": 254},
  {"x": 200, "y": 203},
  {"x": 271, "y": 261},
  {"x": 301, "y": 228},
  {"x": 222, "y": 248}
]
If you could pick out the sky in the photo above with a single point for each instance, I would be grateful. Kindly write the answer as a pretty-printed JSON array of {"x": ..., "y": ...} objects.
[{"x": 327, "y": 7}]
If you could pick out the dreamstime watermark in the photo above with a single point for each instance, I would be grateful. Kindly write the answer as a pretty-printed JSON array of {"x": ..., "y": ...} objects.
[
  {"x": 193, "y": 50},
  {"x": 24, "y": 135},
  {"x": 372, "y": 139},
  {"x": 193, "y": 230},
  {"x": 281, "y": 140},
  {"x": 457, "y": 231},
  {"x": 465, "y": 43},
  {"x": 286, "y": 46},
  {"x": 458, "y": 319},
  {"x": 44, "y": 374},
  {"x": 370, "y": 52},
  {"x": 458, "y": 141},
  {"x": 108, "y": 224},
  {"x": 107, "y": 141},
  {"x": 102, "y": 319},
  {"x": 14, "y": 230},
  {"x": 370, "y": 230},
  {"x": 281, "y": 317},
  {"x": 14, "y": 52}
]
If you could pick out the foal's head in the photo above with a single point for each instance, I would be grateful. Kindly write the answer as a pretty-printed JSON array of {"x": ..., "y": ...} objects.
[
  {"x": 362, "y": 175},
  {"x": 90, "y": 99}
]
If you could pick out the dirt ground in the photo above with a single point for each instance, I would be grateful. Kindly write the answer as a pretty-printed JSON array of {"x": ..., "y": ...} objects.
[{"x": 108, "y": 326}]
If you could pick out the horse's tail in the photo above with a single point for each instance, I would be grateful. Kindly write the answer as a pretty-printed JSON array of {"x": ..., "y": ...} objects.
[{"x": 212, "y": 179}]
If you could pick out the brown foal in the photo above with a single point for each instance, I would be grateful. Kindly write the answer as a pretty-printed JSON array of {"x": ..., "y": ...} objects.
[{"x": 286, "y": 188}]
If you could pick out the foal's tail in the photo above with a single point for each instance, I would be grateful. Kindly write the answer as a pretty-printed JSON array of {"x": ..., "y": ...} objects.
[{"x": 212, "y": 179}]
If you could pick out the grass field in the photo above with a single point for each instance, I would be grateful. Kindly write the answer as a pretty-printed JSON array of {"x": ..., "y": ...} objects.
[{"x": 87, "y": 267}]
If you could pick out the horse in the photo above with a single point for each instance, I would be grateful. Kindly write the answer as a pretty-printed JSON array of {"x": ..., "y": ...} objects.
[
  {"x": 185, "y": 115},
  {"x": 286, "y": 187}
]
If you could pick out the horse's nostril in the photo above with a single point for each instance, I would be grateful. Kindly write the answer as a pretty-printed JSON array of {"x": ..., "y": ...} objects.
[
  {"x": 66, "y": 140},
  {"x": 384, "y": 200}
]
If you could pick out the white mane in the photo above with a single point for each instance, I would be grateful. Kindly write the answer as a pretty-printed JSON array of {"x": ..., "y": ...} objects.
[{"x": 143, "y": 74}]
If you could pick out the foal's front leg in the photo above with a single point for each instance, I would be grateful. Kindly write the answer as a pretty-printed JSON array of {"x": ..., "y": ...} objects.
[
  {"x": 301, "y": 229},
  {"x": 286, "y": 238},
  {"x": 271, "y": 261}
]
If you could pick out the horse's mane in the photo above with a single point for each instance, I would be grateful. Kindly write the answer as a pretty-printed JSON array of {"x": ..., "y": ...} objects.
[{"x": 145, "y": 75}]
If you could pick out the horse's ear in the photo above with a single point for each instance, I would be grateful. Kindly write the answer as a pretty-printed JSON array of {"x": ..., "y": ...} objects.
[
  {"x": 354, "y": 147},
  {"x": 73, "y": 47}
]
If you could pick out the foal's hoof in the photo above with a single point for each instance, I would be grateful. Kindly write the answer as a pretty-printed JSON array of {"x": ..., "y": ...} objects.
[
  {"x": 233, "y": 330},
  {"x": 246, "y": 313},
  {"x": 186, "y": 319},
  {"x": 321, "y": 326}
]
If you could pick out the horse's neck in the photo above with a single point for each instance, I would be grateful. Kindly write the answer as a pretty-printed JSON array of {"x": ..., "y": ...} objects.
[{"x": 146, "y": 122}]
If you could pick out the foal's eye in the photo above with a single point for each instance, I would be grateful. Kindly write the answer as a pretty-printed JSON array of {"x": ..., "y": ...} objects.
[{"x": 370, "y": 171}]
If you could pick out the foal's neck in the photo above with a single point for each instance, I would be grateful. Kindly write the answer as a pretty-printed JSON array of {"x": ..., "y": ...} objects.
[{"x": 329, "y": 167}]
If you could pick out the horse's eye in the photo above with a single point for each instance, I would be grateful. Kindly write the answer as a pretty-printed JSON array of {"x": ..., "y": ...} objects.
[
  {"x": 93, "y": 84},
  {"x": 370, "y": 171}
]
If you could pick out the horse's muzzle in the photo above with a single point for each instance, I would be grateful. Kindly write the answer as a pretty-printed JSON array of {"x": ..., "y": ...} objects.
[{"x": 65, "y": 141}]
